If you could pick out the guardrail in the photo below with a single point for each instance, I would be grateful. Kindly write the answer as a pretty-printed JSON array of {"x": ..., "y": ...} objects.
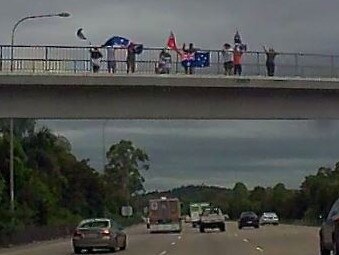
[{"x": 71, "y": 59}]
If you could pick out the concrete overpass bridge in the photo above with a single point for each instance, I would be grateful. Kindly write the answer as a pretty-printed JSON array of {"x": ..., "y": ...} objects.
[
  {"x": 91, "y": 96},
  {"x": 56, "y": 82}
]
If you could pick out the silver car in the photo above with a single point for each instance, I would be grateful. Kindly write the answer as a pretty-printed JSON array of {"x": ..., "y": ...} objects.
[
  {"x": 98, "y": 234},
  {"x": 269, "y": 218},
  {"x": 329, "y": 232}
]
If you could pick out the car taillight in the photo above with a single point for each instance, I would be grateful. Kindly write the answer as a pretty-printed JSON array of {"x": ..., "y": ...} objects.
[
  {"x": 77, "y": 233},
  {"x": 105, "y": 232}
]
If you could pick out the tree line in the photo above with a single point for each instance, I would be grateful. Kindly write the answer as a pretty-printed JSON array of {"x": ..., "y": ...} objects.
[{"x": 308, "y": 204}]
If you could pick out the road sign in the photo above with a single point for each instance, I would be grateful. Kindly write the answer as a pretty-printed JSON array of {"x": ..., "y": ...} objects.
[{"x": 126, "y": 211}]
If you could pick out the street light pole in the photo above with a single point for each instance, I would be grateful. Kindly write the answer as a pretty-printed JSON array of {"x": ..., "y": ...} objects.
[
  {"x": 61, "y": 15},
  {"x": 11, "y": 164},
  {"x": 11, "y": 154}
]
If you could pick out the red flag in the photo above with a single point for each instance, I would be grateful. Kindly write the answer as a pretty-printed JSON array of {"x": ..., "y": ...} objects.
[{"x": 171, "y": 42}]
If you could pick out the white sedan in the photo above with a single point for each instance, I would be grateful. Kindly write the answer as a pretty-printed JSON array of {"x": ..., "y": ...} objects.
[{"x": 269, "y": 218}]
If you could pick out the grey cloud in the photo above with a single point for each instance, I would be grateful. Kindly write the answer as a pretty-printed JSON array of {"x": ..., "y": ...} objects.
[
  {"x": 214, "y": 152},
  {"x": 303, "y": 25}
]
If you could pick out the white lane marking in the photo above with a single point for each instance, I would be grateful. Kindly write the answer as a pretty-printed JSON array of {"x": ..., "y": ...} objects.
[
  {"x": 235, "y": 235},
  {"x": 258, "y": 248},
  {"x": 179, "y": 237},
  {"x": 246, "y": 240},
  {"x": 173, "y": 243},
  {"x": 163, "y": 253}
]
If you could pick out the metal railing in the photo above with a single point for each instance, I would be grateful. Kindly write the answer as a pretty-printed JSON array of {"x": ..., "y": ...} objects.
[{"x": 71, "y": 59}]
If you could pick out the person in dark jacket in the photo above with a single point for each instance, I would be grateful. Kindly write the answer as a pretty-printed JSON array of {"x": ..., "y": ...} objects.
[
  {"x": 131, "y": 55},
  {"x": 96, "y": 55},
  {"x": 270, "y": 60}
]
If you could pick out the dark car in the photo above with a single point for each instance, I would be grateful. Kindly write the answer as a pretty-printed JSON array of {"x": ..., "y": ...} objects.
[
  {"x": 248, "y": 219},
  {"x": 329, "y": 232}
]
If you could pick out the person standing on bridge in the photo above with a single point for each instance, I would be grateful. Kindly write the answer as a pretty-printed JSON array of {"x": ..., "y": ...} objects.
[
  {"x": 237, "y": 59},
  {"x": 270, "y": 60},
  {"x": 96, "y": 55},
  {"x": 111, "y": 64},
  {"x": 131, "y": 55},
  {"x": 227, "y": 54},
  {"x": 188, "y": 57}
]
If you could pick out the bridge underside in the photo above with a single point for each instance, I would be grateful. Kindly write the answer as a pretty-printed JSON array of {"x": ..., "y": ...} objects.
[{"x": 149, "y": 101}]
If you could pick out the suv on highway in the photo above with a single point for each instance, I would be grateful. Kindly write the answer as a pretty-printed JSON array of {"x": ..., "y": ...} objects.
[
  {"x": 98, "y": 234},
  {"x": 212, "y": 217},
  {"x": 329, "y": 231},
  {"x": 248, "y": 219},
  {"x": 269, "y": 218}
]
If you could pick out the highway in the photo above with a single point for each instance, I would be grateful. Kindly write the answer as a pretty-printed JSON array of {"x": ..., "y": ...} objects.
[{"x": 268, "y": 240}]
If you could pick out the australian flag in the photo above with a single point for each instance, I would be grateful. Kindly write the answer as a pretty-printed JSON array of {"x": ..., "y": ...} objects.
[
  {"x": 117, "y": 42},
  {"x": 199, "y": 59},
  {"x": 202, "y": 59}
]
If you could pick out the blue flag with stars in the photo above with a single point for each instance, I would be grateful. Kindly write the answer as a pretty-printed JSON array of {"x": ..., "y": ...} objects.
[
  {"x": 202, "y": 59},
  {"x": 117, "y": 42}
]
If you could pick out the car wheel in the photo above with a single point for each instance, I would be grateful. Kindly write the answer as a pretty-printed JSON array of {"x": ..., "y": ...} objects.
[
  {"x": 77, "y": 250},
  {"x": 324, "y": 251},
  {"x": 239, "y": 227},
  {"x": 202, "y": 228},
  {"x": 124, "y": 246},
  {"x": 256, "y": 226},
  {"x": 222, "y": 227},
  {"x": 112, "y": 249}
]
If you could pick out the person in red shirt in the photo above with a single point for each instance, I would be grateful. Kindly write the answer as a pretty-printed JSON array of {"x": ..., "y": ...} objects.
[{"x": 237, "y": 60}]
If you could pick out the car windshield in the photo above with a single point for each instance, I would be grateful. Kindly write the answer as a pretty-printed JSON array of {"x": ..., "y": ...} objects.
[
  {"x": 270, "y": 214},
  {"x": 246, "y": 214},
  {"x": 95, "y": 224},
  {"x": 211, "y": 211},
  {"x": 334, "y": 210}
]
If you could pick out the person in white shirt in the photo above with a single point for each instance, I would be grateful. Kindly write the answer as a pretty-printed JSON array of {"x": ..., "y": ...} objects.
[
  {"x": 111, "y": 64},
  {"x": 227, "y": 54}
]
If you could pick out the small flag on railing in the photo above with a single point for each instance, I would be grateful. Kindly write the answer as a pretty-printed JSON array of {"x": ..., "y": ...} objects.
[
  {"x": 202, "y": 59},
  {"x": 188, "y": 59}
]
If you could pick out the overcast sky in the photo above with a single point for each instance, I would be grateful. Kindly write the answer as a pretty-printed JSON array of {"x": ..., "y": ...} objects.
[
  {"x": 213, "y": 152},
  {"x": 289, "y": 25}
]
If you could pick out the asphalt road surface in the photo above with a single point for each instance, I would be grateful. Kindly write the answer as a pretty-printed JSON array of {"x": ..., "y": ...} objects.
[{"x": 268, "y": 240}]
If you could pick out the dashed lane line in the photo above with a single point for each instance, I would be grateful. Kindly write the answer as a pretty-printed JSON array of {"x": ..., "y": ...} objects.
[
  {"x": 258, "y": 248},
  {"x": 163, "y": 253}
]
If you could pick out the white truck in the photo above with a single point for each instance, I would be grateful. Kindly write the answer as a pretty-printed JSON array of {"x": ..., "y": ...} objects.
[
  {"x": 164, "y": 215},
  {"x": 196, "y": 210},
  {"x": 212, "y": 217}
]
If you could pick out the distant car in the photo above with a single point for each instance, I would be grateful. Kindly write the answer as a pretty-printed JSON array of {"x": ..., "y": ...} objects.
[
  {"x": 211, "y": 218},
  {"x": 329, "y": 232},
  {"x": 248, "y": 219},
  {"x": 98, "y": 234},
  {"x": 269, "y": 218}
]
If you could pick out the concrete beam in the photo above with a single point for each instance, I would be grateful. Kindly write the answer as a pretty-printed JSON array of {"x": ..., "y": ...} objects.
[{"x": 162, "y": 97}]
